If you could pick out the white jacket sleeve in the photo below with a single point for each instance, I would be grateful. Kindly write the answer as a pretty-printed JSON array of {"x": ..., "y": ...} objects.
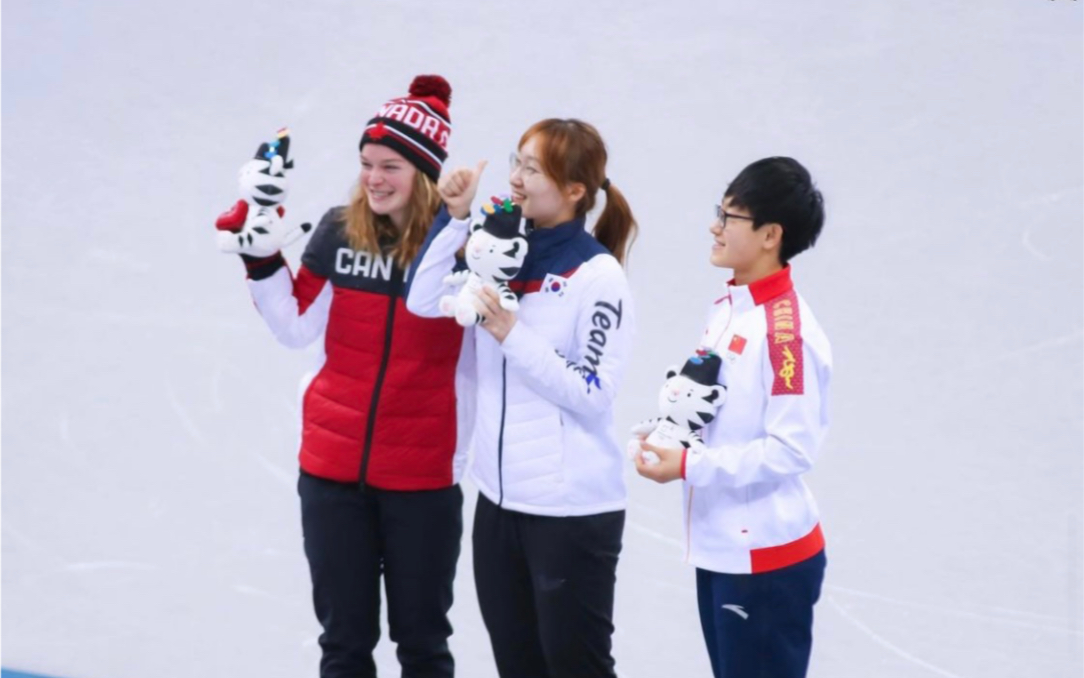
[
  {"x": 296, "y": 308},
  {"x": 296, "y": 311},
  {"x": 436, "y": 260},
  {"x": 795, "y": 427},
  {"x": 586, "y": 381}
]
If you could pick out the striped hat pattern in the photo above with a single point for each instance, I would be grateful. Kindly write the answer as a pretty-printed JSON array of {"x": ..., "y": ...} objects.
[{"x": 416, "y": 126}]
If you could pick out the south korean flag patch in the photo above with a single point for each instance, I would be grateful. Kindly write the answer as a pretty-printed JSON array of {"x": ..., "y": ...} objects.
[{"x": 554, "y": 285}]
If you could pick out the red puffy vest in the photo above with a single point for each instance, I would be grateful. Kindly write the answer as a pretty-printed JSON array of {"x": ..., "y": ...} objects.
[{"x": 382, "y": 408}]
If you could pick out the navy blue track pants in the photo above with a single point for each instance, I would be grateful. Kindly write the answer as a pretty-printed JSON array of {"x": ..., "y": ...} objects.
[{"x": 760, "y": 625}]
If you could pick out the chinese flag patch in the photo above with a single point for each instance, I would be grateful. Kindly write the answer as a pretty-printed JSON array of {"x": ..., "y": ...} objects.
[{"x": 737, "y": 344}]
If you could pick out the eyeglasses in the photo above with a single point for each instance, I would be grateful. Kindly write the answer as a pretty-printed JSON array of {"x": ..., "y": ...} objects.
[
  {"x": 516, "y": 164},
  {"x": 721, "y": 215}
]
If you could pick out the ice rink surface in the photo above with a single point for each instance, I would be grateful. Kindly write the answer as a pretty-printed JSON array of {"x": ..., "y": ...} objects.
[{"x": 150, "y": 517}]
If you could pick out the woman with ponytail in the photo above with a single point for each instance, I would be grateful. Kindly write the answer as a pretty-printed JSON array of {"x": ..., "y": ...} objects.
[
  {"x": 550, "y": 516},
  {"x": 380, "y": 498}
]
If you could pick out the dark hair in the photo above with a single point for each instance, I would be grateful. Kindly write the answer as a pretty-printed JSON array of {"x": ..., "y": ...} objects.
[
  {"x": 572, "y": 151},
  {"x": 780, "y": 191}
]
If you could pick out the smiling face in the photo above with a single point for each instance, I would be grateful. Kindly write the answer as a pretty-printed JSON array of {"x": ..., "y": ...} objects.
[
  {"x": 387, "y": 179},
  {"x": 736, "y": 245},
  {"x": 541, "y": 199},
  {"x": 749, "y": 252}
]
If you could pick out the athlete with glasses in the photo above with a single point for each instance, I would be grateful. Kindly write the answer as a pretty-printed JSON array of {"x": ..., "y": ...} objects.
[{"x": 752, "y": 527}]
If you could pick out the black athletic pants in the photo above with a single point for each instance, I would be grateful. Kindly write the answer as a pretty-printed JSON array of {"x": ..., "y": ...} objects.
[
  {"x": 354, "y": 536},
  {"x": 546, "y": 590}
]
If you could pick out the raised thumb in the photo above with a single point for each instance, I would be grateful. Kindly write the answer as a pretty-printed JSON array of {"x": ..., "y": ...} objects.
[{"x": 479, "y": 169}]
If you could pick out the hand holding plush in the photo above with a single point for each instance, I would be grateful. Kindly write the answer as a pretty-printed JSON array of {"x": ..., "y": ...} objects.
[
  {"x": 688, "y": 402},
  {"x": 254, "y": 225},
  {"x": 494, "y": 253}
]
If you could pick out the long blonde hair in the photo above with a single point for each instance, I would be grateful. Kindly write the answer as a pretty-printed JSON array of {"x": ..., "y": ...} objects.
[{"x": 367, "y": 231}]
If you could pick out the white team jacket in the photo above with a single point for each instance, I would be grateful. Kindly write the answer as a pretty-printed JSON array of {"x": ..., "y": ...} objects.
[
  {"x": 747, "y": 509},
  {"x": 544, "y": 440}
]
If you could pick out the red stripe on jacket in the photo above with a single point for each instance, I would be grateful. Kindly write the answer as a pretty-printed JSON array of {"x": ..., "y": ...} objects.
[
  {"x": 777, "y": 557},
  {"x": 785, "y": 344},
  {"x": 307, "y": 286},
  {"x": 532, "y": 286}
]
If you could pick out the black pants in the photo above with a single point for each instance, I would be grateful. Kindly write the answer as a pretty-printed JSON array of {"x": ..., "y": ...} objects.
[
  {"x": 760, "y": 625},
  {"x": 354, "y": 536},
  {"x": 546, "y": 590}
]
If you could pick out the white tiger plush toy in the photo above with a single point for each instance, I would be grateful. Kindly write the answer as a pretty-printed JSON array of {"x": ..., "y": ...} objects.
[
  {"x": 688, "y": 402},
  {"x": 494, "y": 254},
  {"x": 254, "y": 226}
]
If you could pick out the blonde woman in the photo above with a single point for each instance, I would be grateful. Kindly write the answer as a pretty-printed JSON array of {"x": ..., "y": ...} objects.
[{"x": 379, "y": 474}]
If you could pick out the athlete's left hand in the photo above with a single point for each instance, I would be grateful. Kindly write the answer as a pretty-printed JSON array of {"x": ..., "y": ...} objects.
[
  {"x": 498, "y": 321},
  {"x": 669, "y": 466}
]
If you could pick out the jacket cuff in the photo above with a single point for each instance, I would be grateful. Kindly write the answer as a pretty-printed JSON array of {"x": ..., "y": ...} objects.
[
  {"x": 259, "y": 268},
  {"x": 461, "y": 225},
  {"x": 695, "y": 469},
  {"x": 444, "y": 208}
]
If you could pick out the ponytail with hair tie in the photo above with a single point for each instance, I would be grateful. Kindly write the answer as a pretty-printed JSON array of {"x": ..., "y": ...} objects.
[{"x": 572, "y": 151}]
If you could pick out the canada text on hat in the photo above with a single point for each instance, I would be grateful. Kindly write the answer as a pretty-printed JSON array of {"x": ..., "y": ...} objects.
[{"x": 417, "y": 126}]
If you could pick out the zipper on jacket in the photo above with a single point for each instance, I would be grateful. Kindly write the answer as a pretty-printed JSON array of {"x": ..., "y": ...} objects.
[
  {"x": 500, "y": 436},
  {"x": 370, "y": 424}
]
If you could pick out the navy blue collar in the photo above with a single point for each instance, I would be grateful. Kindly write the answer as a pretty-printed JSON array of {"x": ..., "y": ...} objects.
[
  {"x": 559, "y": 250},
  {"x": 543, "y": 239}
]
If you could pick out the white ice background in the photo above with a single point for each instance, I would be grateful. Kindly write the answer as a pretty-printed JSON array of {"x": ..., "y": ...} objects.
[{"x": 150, "y": 517}]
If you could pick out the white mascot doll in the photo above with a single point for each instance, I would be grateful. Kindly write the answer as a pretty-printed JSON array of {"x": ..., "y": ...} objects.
[
  {"x": 254, "y": 226},
  {"x": 494, "y": 255},
  {"x": 688, "y": 402}
]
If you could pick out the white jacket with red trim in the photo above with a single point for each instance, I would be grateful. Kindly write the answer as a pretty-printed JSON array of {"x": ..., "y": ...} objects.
[{"x": 747, "y": 508}]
